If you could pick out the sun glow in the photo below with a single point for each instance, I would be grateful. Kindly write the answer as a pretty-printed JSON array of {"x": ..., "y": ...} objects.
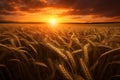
[{"x": 53, "y": 21}]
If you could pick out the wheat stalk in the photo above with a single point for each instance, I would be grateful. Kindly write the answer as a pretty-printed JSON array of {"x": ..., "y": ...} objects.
[
  {"x": 62, "y": 70},
  {"x": 57, "y": 50},
  {"x": 71, "y": 59},
  {"x": 52, "y": 67},
  {"x": 86, "y": 54},
  {"x": 85, "y": 70}
]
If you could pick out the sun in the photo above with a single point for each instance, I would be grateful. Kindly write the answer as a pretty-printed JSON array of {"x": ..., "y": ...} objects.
[{"x": 53, "y": 21}]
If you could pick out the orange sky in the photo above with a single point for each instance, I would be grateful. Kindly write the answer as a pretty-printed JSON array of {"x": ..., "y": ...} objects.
[{"x": 62, "y": 10}]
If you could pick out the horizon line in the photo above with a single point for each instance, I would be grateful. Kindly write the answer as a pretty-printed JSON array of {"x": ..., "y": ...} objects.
[{"x": 30, "y": 22}]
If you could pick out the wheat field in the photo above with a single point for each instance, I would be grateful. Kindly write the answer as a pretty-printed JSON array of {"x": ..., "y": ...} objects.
[{"x": 28, "y": 53}]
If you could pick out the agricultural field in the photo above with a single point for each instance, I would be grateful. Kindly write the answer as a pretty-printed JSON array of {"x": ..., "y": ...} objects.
[{"x": 42, "y": 53}]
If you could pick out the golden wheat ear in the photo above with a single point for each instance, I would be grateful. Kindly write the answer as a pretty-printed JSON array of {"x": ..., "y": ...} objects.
[
  {"x": 63, "y": 71},
  {"x": 85, "y": 70}
]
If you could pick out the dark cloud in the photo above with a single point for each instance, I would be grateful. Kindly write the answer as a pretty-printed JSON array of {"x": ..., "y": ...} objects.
[
  {"x": 1, "y": 17},
  {"x": 8, "y": 7},
  {"x": 32, "y": 5},
  {"x": 106, "y": 8}
]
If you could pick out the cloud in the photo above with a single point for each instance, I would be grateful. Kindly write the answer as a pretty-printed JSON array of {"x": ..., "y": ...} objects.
[
  {"x": 106, "y": 8},
  {"x": 97, "y": 8},
  {"x": 8, "y": 7}
]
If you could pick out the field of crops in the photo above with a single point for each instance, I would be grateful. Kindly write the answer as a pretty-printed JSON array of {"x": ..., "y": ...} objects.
[{"x": 42, "y": 53}]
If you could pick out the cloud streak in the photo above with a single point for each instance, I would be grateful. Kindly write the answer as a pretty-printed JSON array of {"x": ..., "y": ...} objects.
[
  {"x": 8, "y": 7},
  {"x": 98, "y": 8},
  {"x": 106, "y": 8}
]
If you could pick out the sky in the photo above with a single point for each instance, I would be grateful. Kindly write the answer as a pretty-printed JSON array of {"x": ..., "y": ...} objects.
[{"x": 62, "y": 10}]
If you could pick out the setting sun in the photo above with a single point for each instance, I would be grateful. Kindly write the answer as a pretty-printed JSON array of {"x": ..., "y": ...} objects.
[{"x": 53, "y": 21}]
